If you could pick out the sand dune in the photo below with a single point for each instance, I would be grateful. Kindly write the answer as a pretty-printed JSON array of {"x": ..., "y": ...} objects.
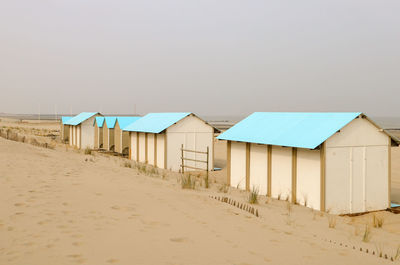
[{"x": 63, "y": 207}]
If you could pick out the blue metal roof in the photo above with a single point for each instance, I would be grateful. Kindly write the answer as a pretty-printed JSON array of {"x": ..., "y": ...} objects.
[
  {"x": 78, "y": 119},
  {"x": 110, "y": 122},
  {"x": 64, "y": 119},
  {"x": 99, "y": 121},
  {"x": 292, "y": 129},
  {"x": 125, "y": 121},
  {"x": 156, "y": 122}
]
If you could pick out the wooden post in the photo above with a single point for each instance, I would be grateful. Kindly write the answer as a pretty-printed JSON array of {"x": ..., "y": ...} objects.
[
  {"x": 294, "y": 175},
  {"x": 228, "y": 163},
  {"x": 146, "y": 159},
  {"x": 155, "y": 150},
  {"x": 165, "y": 151},
  {"x": 137, "y": 146},
  {"x": 389, "y": 171},
  {"x": 207, "y": 169},
  {"x": 248, "y": 166},
  {"x": 269, "y": 170},
  {"x": 182, "y": 163},
  {"x": 322, "y": 181}
]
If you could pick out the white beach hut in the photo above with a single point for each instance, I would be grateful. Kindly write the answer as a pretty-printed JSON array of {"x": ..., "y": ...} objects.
[
  {"x": 157, "y": 139},
  {"x": 64, "y": 130},
  {"x": 98, "y": 132},
  {"x": 108, "y": 133},
  {"x": 81, "y": 133},
  {"x": 122, "y": 140},
  {"x": 336, "y": 162}
]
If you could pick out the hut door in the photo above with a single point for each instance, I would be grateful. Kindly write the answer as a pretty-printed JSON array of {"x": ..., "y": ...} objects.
[{"x": 357, "y": 190}]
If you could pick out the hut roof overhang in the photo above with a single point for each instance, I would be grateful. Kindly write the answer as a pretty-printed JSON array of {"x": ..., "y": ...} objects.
[
  {"x": 64, "y": 119},
  {"x": 158, "y": 122},
  {"x": 81, "y": 117},
  {"x": 291, "y": 129},
  {"x": 123, "y": 122}
]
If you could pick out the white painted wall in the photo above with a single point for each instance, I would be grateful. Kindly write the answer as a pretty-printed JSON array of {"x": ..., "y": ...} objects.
[
  {"x": 259, "y": 168},
  {"x": 281, "y": 172},
  {"x": 160, "y": 150},
  {"x": 111, "y": 138},
  {"x": 71, "y": 137},
  {"x": 357, "y": 169},
  {"x": 78, "y": 136},
  {"x": 133, "y": 147},
  {"x": 74, "y": 135},
  {"x": 87, "y": 133},
  {"x": 142, "y": 147},
  {"x": 238, "y": 165},
  {"x": 309, "y": 178},
  {"x": 194, "y": 134},
  {"x": 150, "y": 148}
]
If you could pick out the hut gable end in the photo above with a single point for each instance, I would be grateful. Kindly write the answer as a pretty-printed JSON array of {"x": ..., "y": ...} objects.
[{"x": 359, "y": 132}]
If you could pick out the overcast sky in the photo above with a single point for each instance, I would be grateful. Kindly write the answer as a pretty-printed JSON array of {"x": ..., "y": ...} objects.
[{"x": 211, "y": 57}]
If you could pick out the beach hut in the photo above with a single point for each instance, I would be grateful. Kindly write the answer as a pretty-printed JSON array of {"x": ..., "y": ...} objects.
[
  {"x": 336, "y": 162},
  {"x": 108, "y": 133},
  {"x": 98, "y": 132},
  {"x": 157, "y": 139},
  {"x": 122, "y": 139},
  {"x": 64, "y": 130},
  {"x": 81, "y": 134}
]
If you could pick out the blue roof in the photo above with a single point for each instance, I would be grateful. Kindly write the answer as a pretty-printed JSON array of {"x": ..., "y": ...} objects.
[
  {"x": 78, "y": 119},
  {"x": 64, "y": 119},
  {"x": 125, "y": 121},
  {"x": 156, "y": 122},
  {"x": 110, "y": 122},
  {"x": 292, "y": 129},
  {"x": 99, "y": 121}
]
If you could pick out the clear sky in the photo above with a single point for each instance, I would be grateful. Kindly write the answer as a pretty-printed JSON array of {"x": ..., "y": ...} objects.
[{"x": 211, "y": 57}]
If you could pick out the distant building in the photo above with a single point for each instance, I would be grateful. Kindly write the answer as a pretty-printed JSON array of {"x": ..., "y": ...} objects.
[
  {"x": 108, "y": 133},
  {"x": 98, "y": 132},
  {"x": 336, "y": 162},
  {"x": 122, "y": 139},
  {"x": 157, "y": 138},
  {"x": 64, "y": 130},
  {"x": 81, "y": 133}
]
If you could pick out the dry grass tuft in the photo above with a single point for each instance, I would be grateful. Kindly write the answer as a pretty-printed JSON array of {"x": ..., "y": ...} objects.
[
  {"x": 397, "y": 254},
  {"x": 224, "y": 188},
  {"x": 289, "y": 208},
  {"x": 367, "y": 234},
  {"x": 332, "y": 221},
  {"x": 187, "y": 182},
  {"x": 127, "y": 164},
  {"x": 253, "y": 196},
  {"x": 88, "y": 151},
  {"x": 377, "y": 221}
]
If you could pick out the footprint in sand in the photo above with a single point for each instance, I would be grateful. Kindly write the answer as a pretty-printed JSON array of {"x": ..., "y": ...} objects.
[
  {"x": 10, "y": 228},
  {"x": 77, "y": 244},
  {"x": 43, "y": 222},
  {"x": 178, "y": 239},
  {"x": 112, "y": 260},
  {"x": 19, "y": 204},
  {"x": 74, "y": 256},
  {"x": 115, "y": 207},
  {"x": 65, "y": 203}
]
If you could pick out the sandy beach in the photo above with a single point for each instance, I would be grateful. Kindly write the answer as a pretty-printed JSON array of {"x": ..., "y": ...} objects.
[{"x": 60, "y": 206}]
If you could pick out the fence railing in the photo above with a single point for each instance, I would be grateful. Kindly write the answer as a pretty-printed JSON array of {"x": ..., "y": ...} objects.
[{"x": 206, "y": 161}]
